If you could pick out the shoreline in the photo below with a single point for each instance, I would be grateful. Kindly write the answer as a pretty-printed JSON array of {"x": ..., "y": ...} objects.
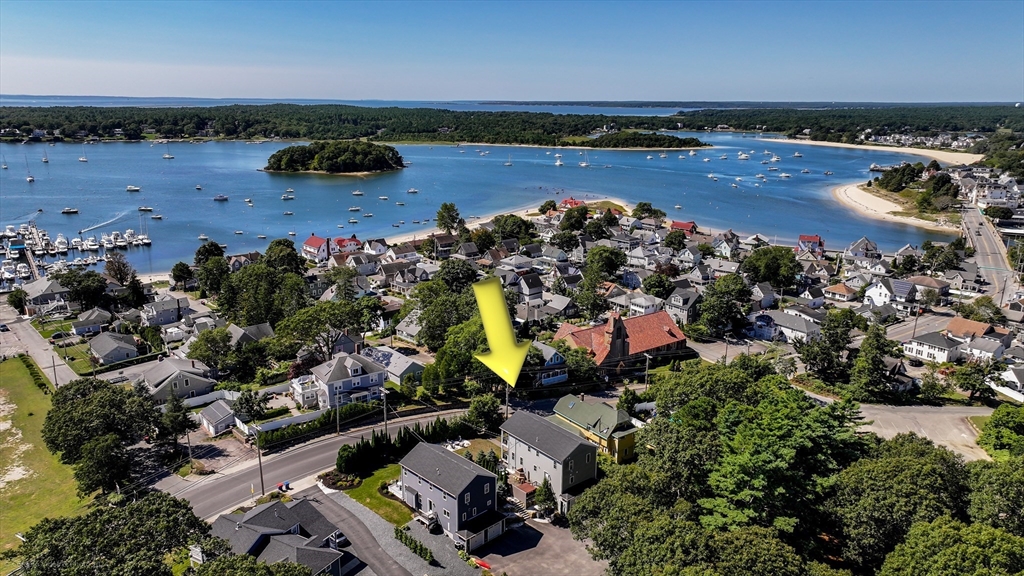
[
  {"x": 945, "y": 156},
  {"x": 870, "y": 206},
  {"x": 322, "y": 173}
]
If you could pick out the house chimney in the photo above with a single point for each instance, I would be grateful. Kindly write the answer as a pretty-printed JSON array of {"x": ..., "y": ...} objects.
[
  {"x": 193, "y": 363},
  {"x": 582, "y": 396},
  {"x": 438, "y": 471},
  {"x": 238, "y": 525}
]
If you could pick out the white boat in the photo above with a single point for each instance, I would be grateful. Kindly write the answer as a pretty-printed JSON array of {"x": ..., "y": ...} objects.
[
  {"x": 289, "y": 190},
  {"x": 559, "y": 162},
  {"x": 413, "y": 191},
  {"x": 353, "y": 221},
  {"x": 23, "y": 271},
  {"x": 199, "y": 187},
  {"x": 157, "y": 217},
  {"x": 354, "y": 208},
  {"x": 46, "y": 159},
  {"x": 30, "y": 178},
  {"x": 291, "y": 233},
  {"x": 76, "y": 243},
  {"x": 682, "y": 156},
  {"x": 773, "y": 168},
  {"x": 129, "y": 235},
  {"x": 10, "y": 231},
  {"x": 663, "y": 155},
  {"x": 248, "y": 200},
  {"x": 734, "y": 185},
  {"x": 738, "y": 179},
  {"x": 357, "y": 192},
  {"x": 91, "y": 244},
  {"x": 3, "y": 165},
  {"x": 743, "y": 156},
  {"x": 759, "y": 176},
  {"x": 69, "y": 211},
  {"x": 119, "y": 240},
  {"x": 167, "y": 155},
  {"x": 399, "y": 203},
  {"x": 797, "y": 155},
  {"x": 586, "y": 161},
  {"x": 83, "y": 157},
  {"x": 723, "y": 157},
  {"x": 707, "y": 159},
  {"x": 711, "y": 175},
  {"x": 106, "y": 241},
  {"x": 382, "y": 197},
  {"x": 776, "y": 158},
  {"x": 558, "y": 155},
  {"x": 805, "y": 171},
  {"x": 130, "y": 188},
  {"x": 289, "y": 213},
  {"x": 649, "y": 157},
  {"x": 143, "y": 239},
  {"x": 678, "y": 207},
  {"x": 287, "y": 197},
  {"x": 509, "y": 163},
  {"x": 145, "y": 208},
  {"x": 239, "y": 232},
  {"x": 204, "y": 237},
  {"x": 784, "y": 175},
  {"x": 261, "y": 236},
  {"x": 368, "y": 215},
  {"x": 693, "y": 152},
  {"x": 61, "y": 244}
]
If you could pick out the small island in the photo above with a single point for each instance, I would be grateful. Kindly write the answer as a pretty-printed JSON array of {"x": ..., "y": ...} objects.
[
  {"x": 342, "y": 157},
  {"x": 640, "y": 140}
]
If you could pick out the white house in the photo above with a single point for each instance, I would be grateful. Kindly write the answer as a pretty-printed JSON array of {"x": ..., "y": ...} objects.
[
  {"x": 815, "y": 297},
  {"x": 644, "y": 304},
  {"x": 315, "y": 249},
  {"x": 777, "y": 325},
  {"x": 984, "y": 349},
  {"x": 932, "y": 347},
  {"x": 217, "y": 417},
  {"x": 347, "y": 378},
  {"x": 840, "y": 292}
]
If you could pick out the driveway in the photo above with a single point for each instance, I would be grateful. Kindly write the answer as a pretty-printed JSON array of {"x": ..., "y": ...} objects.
[
  {"x": 945, "y": 425},
  {"x": 538, "y": 548},
  {"x": 24, "y": 338}
]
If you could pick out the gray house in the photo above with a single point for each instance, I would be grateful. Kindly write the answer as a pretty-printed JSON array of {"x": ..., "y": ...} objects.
[
  {"x": 91, "y": 321},
  {"x": 460, "y": 495},
  {"x": 397, "y": 364},
  {"x": 165, "y": 311},
  {"x": 542, "y": 450},
  {"x": 111, "y": 347},
  {"x": 183, "y": 378},
  {"x": 347, "y": 378},
  {"x": 217, "y": 417},
  {"x": 294, "y": 531}
]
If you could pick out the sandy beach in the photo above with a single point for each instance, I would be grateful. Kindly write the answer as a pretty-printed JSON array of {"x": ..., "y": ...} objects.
[
  {"x": 944, "y": 156},
  {"x": 871, "y": 206}
]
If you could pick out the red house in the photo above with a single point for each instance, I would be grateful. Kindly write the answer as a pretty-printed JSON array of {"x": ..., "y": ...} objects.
[
  {"x": 688, "y": 228},
  {"x": 813, "y": 243},
  {"x": 571, "y": 202},
  {"x": 345, "y": 245},
  {"x": 623, "y": 342},
  {"x": 315, "y": 248}
]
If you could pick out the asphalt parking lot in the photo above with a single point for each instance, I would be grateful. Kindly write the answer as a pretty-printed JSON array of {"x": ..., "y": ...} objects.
[
  {"x": 946, "y": 426},
  {"x": 538, "y": 548}
]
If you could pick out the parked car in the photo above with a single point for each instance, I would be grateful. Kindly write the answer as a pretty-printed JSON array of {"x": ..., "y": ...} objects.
[
  {"x": 58, "y": 336},
  {"x": 4, "y": 328}
]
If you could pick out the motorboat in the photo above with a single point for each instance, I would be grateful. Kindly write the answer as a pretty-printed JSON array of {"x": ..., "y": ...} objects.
[
  {"x": 773, "y": 169},
  {"x": 199, "y": 187},
  {"x": 415, "y": 221},
  {"x": 204, "y": 237},
  {"x": 413, "y": 191},
  {"x": 394, "y": 225},
  {"x": 287, "y": 197},
  {"x": 261, "y": 236},
  {"x": 61, "y": 244},
  {"x": 132, "y": 189},
  {"x": 558, "y": 155},
  {"x": 291, "y": 233},
  {"x": 828, "y": 172},
  {"x": 678, "y": 207},
  {"x": 738, "y": 179},
  {"x": 239, "y": 232},
  {"x": 711, "y": 175},
  {"x": 509, "y": 163},
  {"x": 723, "y": 157},
  {"x": 784, "y": 175},
  {"x": 743, "y": 156},
  {"x": 69, "y": 211},
  {"x": 76, "y": 243},
  {"x": 30, "y": 178},
  {"x": 805, "y": 171},
  {"x": 248, "y": 200},
  {"x": 663, "y": 155},
  {"x": 399, "y": 203},
  {"x": 797, "y": 155},
  {"x": 91, "y": 244},
  {"x": 145, "y": 208},
  {"x": 129, "y": 236},
  {"x": 357, "y": 192},
  {"x": 23, "y": 271},
  {"x": 220, "y": 198},
  {"x": 143, "y": 239},
  {"x": 734, "y": 185},
  {"x": 649, "y": 157},
  {"x": 353, "y": 221},
  {"x": 707, "y": 159},
  {"x": 157, "y": 217},
  {"x": 290, "y": 191},
  {"x": 354, "y": 208},
  {"x": 559, "y": 162},
  {"x": 289, "y": 213},
  {"x": 693, "y": 152},
  {"x": 759, "y": 176},
  {"x": 367, "y": 215},
  {"x": 119, "y": 240},
  {"x": 382, "y": 197},
  {"x": 341, "y": 225},
  {"x": 107, "y": 241},
  {"x": 682, "y": 156}
]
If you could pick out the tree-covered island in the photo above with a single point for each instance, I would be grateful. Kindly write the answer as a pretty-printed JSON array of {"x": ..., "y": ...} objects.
[
  {"x": 641, "y": 140},
  {"x": 343, "y": 157}
]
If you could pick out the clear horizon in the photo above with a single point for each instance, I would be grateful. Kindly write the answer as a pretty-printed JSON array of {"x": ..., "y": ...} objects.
[{"x": 863, "y": 52}]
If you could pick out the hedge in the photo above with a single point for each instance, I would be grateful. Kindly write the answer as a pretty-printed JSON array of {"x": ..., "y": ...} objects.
[
  {"x": 415, "y": 545},
  {"x": 37, "y": 376},
  {"x": 321, "y": 424}
]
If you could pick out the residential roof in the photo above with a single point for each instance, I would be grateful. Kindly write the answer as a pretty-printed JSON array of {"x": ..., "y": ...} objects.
[
  {"x": 963, "y": 327},
  {"x": 443, "y": 468},
  {"x": 341, "y": 366},
  {"x": 642, "y": 333},
  {"x": 392, "y": 359},
  {"x": 815, "y": 292},
  {"x": 937, "y": 339},
  {"x": 928, "y": 282},
  {"x": 167, "y": 368},
  {"x": 985, "y": 345},
  {"x": 841, "y": 289},
  {"x": 217, "y": 411},
  {"x": 42, "y": 286},
  {"x": 597, "y": 417},
  {"x": 547, "y": 351},
  {"x": 110, "y": 341},
  {"x": 97, "y": 315},
  {"x": 314, "y": 241},
  {"x": 792, "y": 321},
  {"x": 532, "y": 280},
  {"x": 544, "y": 436},
  {"x": 410, "y": 324}
]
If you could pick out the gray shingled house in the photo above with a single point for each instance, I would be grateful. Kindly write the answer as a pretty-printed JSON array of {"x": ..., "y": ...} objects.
[{"x": 460, "y": 495}]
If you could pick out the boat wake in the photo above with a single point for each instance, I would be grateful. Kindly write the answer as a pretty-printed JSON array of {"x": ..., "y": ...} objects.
[
  {"x": 24, "y": 219},
  {"x": 116, "y": 217}
]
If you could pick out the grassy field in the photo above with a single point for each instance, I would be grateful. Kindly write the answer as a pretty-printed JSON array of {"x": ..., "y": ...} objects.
[
  {"x": 367, "y": 495},
  {"x": 50, "y": 489},
  {"x": 79, "y": 358},
  {"x": 478, "y": 445},
  {"x": 46, "y": 329},
  {"x": 979, "y": 422},
  {"x": 606, "y": 204}
]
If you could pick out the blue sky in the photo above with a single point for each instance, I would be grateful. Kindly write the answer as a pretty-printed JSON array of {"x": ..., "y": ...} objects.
[{"x": 811, "y": 51}]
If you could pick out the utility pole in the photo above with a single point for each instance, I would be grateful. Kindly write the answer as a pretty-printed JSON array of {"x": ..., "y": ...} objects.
[
  {"x": 647, "y": 372},
  {"x": 506, "y": 400},
  {"x": 337, "y": 416},
  {"x": 384, "y": 395},
  {"x": 54, "y": 360},
  {"x": 259, "y": 456}
]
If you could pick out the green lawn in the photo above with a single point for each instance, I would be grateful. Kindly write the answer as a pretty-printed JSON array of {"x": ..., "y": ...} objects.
[
  {"x": 979, "y": 422},
  {"x": 50, "y": 489},
  {"x": 366, "y": 494},
  {"x": 479, "y": 444},
  {"x": 80, "y": 358},
  {"x": 46, "y": 329}
]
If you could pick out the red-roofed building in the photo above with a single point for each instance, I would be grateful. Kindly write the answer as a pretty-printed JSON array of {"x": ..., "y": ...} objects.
[
  {"x": 813, "y": 243},
  {"x": 315, "y": 248},
  {"x": 346, "y": 245},
  {"x": 571, "y": 202},
  {"x": 622, "y": 342},
  {"x": 688, "y": 228}
]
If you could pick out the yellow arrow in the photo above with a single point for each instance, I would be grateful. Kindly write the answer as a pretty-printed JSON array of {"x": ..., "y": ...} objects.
[{"x": 506, "y": 356}]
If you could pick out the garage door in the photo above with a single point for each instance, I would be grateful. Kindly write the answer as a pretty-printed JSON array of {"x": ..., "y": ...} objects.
[{"x": 494, "y": 531}]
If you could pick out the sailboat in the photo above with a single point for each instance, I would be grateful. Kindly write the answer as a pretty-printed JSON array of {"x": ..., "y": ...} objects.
[
  {"x": 167, "y": 155},
  {"x": 586, "y": 161},
  {"x": 83, "y": 157},
  {"x": 28, "y": 178},
  {"x": 509, "y": 163},
  {"x": 4, "y": 165},
  {"x": 46, "y": 159}
]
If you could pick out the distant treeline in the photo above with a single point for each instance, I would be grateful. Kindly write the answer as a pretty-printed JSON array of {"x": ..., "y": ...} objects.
[
  {"x": 336, "y": 157},
  {"x": 641, "y": 140},
  {"x": 710, "y": 104},
  {"x": 323, "y": 122},
  {"x": 844, "y": 125}
]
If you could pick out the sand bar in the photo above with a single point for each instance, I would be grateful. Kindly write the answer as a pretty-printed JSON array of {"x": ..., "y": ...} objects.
[
  {"x": 945, "y": 156},
  {"x": 871, "y": 206}
]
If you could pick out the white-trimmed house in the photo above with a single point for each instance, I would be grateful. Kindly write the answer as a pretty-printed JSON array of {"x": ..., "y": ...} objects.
[
  {"x": 984, "y": 349},
  {"x": 840, "y": 292},
  {"x": 315, "y": 249},
  {"x": 933, "y": 347},
  {"x": 217, "y": 418},
  {"x": 815, "y": 297},
  {"x": 348, "y": 378},
  {"x": 555, "y": 370}
]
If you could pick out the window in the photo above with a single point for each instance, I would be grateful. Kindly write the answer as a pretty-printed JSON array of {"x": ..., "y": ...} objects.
[
  {"x": 534, "y": 467},
  {"x": 570, "y": 465},
  {"x": 520, "y": 461},
  {"x": 466, "y": 498},
  {"x": 430, "y": 505},
  {"x": 474, "y": 511},
  {"x": 571, "y": 479},
  {"x": 463, "y": 516},
  {"x": 446, "y": 514},
  {"x": 588, "y": 458},
  {"x": 186, "y": 382},
  {"x": 487, "y": 488},
  {"x": 175, "y": 385},
  {"x": 488, "y": 503},
  {"x": 444, "y": 496}
]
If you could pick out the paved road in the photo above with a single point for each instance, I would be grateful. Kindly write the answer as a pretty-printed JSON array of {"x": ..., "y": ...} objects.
[
  {"x": 946, "y": 425},
  {"x": 218, "y": 492},
  {"x": 24, "y": 338},
  {"x": 990, "y": 256},
  {"x": 930, "y": 322},
  {"x": 364, "y": 545}
]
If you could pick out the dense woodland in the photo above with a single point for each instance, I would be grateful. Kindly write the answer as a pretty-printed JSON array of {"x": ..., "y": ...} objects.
[
  {"x": 641, "y": 140},
  {"x": 336, "y": 157}
]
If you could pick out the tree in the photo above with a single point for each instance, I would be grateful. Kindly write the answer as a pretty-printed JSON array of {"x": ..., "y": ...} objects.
[
  {"x": 947, "y": 546},
  {"x": 658, "y": 285},
  {"x": 485, "y": 412},
  {"x": 547, "y": 206},
  {"x": 868, "y": 379},
  {"x": 574, "y": 219},
  {"x": 974, "y": 377},
  {"x": 318, "y": 327},
  {"x": 675, "y": 240},
  {"x": 930, "y": 297},
  {"x": 87, "y": 288},
  {"x": 628, "y": 401},
  {"x": 544, "y": 496},
  {"x": 998, "y": 212},
  {"x": 252, "y": 405},
  {"x": 135, "y": 296},
  {"x": 1004, "y": 430},
  {"x": 17, "y": 299},
  {"x": 826, "y": 355},
  {"x": 982, "y": 309},
  {"x": 112, "y": 541},
  {"x": 646, "y": 210},
  {"x": 448, "y": 217},
  {"x": 720, "y": 309},
  {"x": 456, "y": 274},
  {"x": 245, "y": 565},
  {"x": 118, "y": 268},
  {"x": 213, "y": 273},
  {"x": 775, "y": 265},
  {"x": 104, "y": 465},
  {"x": 427, "y": 248},
  {"x": 176, "y": 421},
  {"x": 876, "y": 500},
  {"x": 369, "y": 312},
  {"x": 997, "y": 498},
  {"x": 565, "y": 240},
  {"x": 207, "y": 251},
  {"x": 344, "y": 278},
  {"x": 181, "y": 273},
  {"x": 933, "y": 387},
  {"x": 756, "y": 551},
  {"x": 606, "y": 260},
  {"x": 597, "y": 230},
  {"x": 88, "y": 408},
  {"x": 281, "y": 256},
  {"x": 609, "y": 218},
  {"x": 512, "y": 226},
  {"x": 211, "y": 347},
  {"x": 706, "y": 250},
  {"x": 483, "y": 239},
  {"x": 347, "y": 461},
  {"x": 441, "y": 309}
]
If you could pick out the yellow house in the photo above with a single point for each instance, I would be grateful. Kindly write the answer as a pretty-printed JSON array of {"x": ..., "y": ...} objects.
[{"x": 611, "y": 429}]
